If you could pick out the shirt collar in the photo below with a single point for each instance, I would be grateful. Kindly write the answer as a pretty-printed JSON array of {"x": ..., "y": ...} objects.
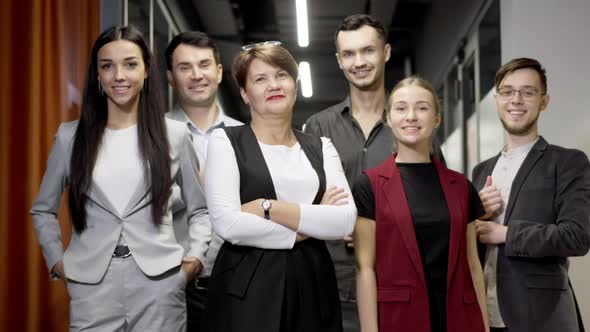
[
  {"x": 344, "y": 109},
  {"x": 519, "y": 150},
  {"x": 344, "y": 106},
  {"x": 182, "y": 116}
]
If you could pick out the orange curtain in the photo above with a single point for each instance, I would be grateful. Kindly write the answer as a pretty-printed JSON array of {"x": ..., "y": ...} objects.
[{"x": 45, "y": 50}]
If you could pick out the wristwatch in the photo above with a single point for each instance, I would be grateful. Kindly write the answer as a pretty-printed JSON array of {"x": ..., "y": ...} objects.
[{"x": 266, "y": 205}]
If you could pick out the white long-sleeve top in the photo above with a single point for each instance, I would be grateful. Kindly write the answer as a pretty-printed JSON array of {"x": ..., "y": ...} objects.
[
  {"x": 294, "y": 180},
  {"x": 119, "y": 161}
]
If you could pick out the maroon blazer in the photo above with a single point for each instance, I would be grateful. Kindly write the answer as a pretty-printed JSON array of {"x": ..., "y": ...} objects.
[{"x": 401, "y": 285}]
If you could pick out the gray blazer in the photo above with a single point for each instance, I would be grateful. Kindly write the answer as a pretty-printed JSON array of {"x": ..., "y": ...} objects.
[
  {"x": 548, "y": 219},
  {"x": 155, "y": 249},
  {"x": 179, "y": 208}
]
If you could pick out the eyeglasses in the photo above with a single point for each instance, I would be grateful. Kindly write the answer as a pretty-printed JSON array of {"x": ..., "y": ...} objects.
[
  {"x": 265, "y": 43},
  {"x": 526, "y": 93}
]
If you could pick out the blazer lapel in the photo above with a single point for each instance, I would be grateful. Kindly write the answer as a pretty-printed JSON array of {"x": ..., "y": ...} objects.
[
  {"x": 393, "y": 188},
  {"x": 524, "y": 170},
  {"x": 480, "y": 180},
  {"x": 138, "y": 199},
  {"x": 99, "y": 198}
]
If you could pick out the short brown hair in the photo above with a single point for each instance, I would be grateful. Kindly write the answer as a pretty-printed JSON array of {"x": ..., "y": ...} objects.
[
  {"x": 522, "y": 63},
  {"x": 415, "y": 81},
  {"x": 275, "y": 55},
  {"x": 357, "y": 21}
]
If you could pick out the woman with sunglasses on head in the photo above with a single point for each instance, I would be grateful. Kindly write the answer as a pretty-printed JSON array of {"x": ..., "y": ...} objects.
[
  {"x": 123, "y": 267},
  {"x": 274, "y": 194},
  {"x": 418, "y": 268}
]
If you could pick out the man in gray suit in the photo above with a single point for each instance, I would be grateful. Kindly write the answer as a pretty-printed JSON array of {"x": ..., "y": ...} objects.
[
  {"x": 537, "y": 201},
  {"x": 195, "y": 71}
]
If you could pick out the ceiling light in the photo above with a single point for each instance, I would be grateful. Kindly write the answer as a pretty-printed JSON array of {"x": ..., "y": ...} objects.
[
  {"x": 302, "y": 28},
  {"x": 305, "y": 76}
]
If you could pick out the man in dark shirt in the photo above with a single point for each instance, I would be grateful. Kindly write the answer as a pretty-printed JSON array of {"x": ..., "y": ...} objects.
[{"x": 358, "y": 129}]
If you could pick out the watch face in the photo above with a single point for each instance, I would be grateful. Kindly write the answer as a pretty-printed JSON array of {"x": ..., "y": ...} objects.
[{"x": 266, "y": 204}]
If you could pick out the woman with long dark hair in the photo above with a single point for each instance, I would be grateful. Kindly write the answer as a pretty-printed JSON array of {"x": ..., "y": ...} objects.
[{"x": 123, "y": 267}]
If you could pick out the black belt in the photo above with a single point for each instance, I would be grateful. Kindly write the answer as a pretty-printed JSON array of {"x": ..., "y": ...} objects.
[{"x": 121, "y": 252}]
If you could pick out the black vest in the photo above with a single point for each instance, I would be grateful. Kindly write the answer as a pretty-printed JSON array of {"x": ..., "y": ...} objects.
[
  {"x": 255, "y": 180},
  {"x": 249, "y": 287}
]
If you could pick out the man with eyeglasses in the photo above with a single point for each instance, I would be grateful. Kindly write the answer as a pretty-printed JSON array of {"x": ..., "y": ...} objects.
[
  {"x": 358, "y": 129},
  {"x": 537, "y": 201},
  {"x": 194, "y": 71}
]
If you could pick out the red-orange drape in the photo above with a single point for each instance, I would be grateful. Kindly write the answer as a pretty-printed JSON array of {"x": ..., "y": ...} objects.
[{"x": 43, "y": 60}]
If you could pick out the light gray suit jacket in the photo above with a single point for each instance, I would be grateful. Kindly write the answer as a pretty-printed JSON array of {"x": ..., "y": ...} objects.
[
  {"x": 155, "y": 249},
  {"x": 178, "y": 206}
]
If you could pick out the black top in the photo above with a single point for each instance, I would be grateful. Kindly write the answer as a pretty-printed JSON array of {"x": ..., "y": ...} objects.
[
  {"x": 431, "y": 220},
  {"x": 357, "y": 153}
]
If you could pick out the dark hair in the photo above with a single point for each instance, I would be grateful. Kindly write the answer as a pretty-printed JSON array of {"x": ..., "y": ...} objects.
[
  {"x": 522, "y": 63},
  {"x": 192, "y": 38},
  {"x": 152, "y": 137},
  {"x": 355, "y": 22},
  {"x": 273, "y": 54}
]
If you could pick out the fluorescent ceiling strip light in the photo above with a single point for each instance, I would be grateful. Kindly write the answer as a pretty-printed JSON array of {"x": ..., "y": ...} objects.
[
  {"x": 302, "y": 28},
  {"x": 305, "y": 79}
]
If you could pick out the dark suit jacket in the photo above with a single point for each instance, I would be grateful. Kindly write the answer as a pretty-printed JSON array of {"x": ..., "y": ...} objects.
[{"x": 548, "y": 219}]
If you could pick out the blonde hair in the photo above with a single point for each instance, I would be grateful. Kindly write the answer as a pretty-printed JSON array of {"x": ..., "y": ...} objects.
[
  {"x": 415, "y": 81},
  {"x": 422, "y": 83}
]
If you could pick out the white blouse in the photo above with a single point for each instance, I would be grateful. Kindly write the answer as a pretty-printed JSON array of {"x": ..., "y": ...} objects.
[
  {"x": 118, "y": 170},
  {"x": 294, "y": 180}
]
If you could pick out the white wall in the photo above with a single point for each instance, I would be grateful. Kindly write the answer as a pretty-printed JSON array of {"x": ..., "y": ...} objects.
[
  {"x": 452, "y": 150},
  {"x": 491, "y": 132},
  {"x": 557, "y": 33}
]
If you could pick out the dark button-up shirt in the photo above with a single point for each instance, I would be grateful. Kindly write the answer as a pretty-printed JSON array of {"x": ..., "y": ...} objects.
[{"x": 356, "y": 152}]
